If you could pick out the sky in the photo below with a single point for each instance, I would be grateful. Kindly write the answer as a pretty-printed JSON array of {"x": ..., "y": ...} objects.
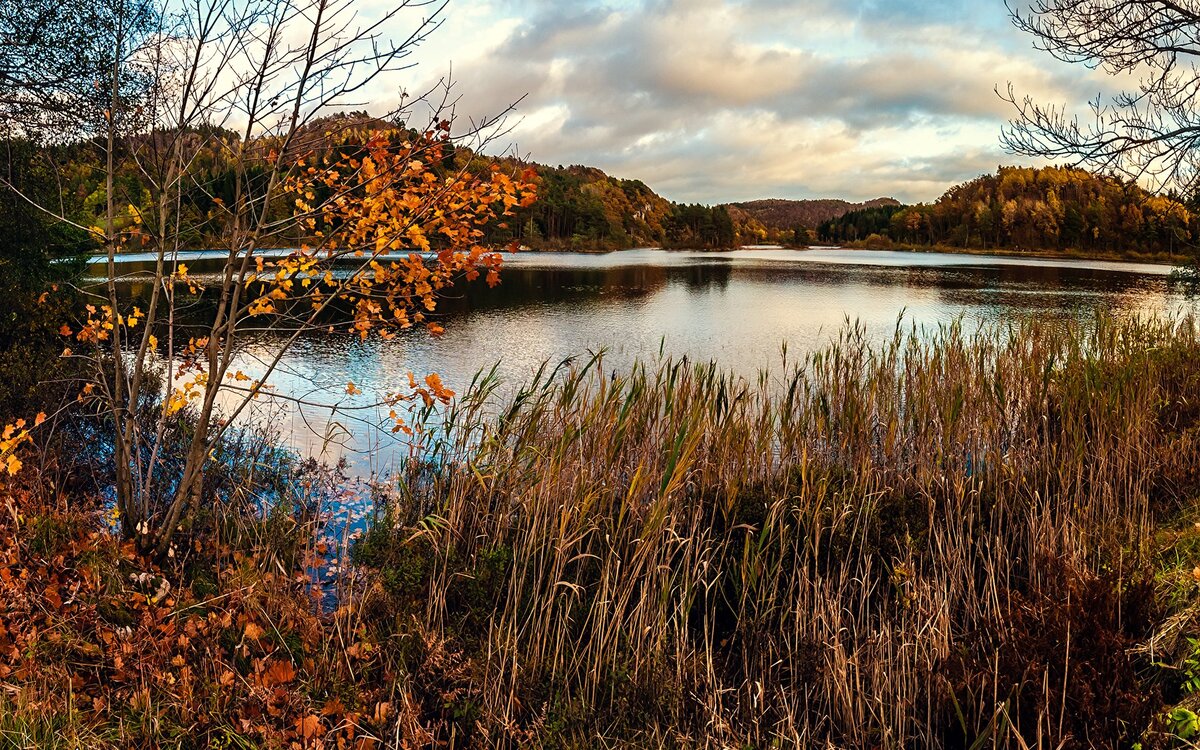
[{"x": 727, "y": 100}]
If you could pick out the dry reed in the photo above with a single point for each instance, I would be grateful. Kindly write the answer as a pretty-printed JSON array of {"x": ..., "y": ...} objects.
[{"x": 940, "y": 541}]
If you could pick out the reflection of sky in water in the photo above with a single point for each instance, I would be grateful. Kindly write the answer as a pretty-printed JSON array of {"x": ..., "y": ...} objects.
[{"x": 737, "y": 308}]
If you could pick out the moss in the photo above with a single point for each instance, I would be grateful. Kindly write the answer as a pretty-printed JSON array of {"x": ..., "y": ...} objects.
[
  {"x": 115, "y": 613},
  {"x": 204, "y": 585},
  {"x": 48, "y": 535}
]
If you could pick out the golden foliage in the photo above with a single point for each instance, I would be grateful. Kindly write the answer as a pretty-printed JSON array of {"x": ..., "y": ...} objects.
[{"x": 416, "y": 226}]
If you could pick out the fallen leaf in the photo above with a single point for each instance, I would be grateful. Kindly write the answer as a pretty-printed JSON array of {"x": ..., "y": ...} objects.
[
  {"x": 279, "y": 673},
  {"x": 308, "y": 726}
]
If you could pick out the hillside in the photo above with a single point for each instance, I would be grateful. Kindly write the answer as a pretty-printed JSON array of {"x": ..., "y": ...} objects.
[
  {"x": 582, "y": 207},
  {"x": 778, "y": 219},
  {"x": 1053, "y": 209}
]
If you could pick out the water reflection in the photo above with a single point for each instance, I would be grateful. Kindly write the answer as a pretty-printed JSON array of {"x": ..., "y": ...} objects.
[{"x": 737, "y": 308}]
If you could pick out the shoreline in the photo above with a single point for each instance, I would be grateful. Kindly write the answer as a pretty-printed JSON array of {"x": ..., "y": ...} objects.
[
  {"x": 1133, "y": 258},
  {"x": 1166, "y": 259}
]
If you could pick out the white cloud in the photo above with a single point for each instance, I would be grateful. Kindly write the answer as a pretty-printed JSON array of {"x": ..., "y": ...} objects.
[{"x": 716, "y": 100}]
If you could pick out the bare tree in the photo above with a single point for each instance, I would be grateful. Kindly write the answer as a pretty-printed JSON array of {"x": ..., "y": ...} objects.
[
  {"x": 376, "y": 217},
  {"x": 1149, "y": 133},
  {"x": 55, "y": 58}
]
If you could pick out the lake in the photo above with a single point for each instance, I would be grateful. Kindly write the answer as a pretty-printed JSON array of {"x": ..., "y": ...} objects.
[{"x": 737, "y": 308}]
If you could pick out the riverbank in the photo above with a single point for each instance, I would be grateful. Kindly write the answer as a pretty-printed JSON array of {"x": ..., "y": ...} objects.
[{"x": 973, "y": 531}]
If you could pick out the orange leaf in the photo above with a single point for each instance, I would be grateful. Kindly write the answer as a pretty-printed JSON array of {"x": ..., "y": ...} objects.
[
  {"x": 334, "y": 707},
  {"x": 308, "y": 726},
  {"x": 279, "y": 673},
  {"x": 382, "y": 711}
]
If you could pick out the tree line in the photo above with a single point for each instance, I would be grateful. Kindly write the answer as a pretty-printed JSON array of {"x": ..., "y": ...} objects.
[
  {"x": 1018, "y": 208},
  {"x": 582, "y": 208},
  {"x": 578, "y": 207},
  {"x": 1036, "y": 209}
]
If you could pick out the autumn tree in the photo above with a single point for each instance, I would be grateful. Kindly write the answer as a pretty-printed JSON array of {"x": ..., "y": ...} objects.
[
  {"x": 380, "y": 217},
  {"x": 1051, "y": 208},
  {"x": 55, "y": 54}
]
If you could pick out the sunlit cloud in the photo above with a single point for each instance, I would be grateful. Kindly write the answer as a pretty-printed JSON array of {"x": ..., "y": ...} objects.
[{"x": 720, "y": 100}]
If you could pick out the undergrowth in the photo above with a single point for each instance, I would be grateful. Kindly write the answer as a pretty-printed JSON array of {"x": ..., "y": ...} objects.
[{"x": 952, "y": 539}]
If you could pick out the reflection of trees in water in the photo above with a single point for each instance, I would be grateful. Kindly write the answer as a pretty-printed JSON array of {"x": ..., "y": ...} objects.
[
  {"x": 523, "y": 287},
  {"x": 839, "y": 275},
  {"x": 1056, "y": 291},
  {"x": 1067, "y": 277},
  {"x": 1047, "y": 278},
  {"x": 995, "y": 291},
  {"x": 1057, "y": 294},
  {"x": 539, "y": 286},
  {"x": 704, "y": 275}
]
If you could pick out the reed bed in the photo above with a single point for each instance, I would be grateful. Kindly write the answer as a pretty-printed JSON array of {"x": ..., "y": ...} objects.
[{"x": 943, "y": 540}]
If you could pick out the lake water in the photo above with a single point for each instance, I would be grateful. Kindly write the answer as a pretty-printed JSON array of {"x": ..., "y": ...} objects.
[{"x": 736, "y": 307}]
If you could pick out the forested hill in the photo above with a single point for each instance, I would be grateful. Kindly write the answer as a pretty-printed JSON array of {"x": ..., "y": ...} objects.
[
  {"x": 778, "y": 220},
  {"x": 581, "y": 207},
  {"x": 577, "y": 207},
  {"x": 1053, "y": 209}
]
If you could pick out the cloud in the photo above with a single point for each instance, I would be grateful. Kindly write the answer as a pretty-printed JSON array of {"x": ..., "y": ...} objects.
[{"x": 716, "y": 100}]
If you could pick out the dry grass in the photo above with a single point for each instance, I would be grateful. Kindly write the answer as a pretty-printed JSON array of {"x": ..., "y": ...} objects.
[
  {"x": 941, "y": 541},
  {"x": 950, "y": 540}
]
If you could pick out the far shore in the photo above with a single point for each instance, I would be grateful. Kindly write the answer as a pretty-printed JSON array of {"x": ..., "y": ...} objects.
[{"x": 1170, "y": 259}]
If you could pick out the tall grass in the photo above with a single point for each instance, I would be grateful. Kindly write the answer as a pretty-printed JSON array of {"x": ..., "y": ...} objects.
[{"x": 939, "y": 541}]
